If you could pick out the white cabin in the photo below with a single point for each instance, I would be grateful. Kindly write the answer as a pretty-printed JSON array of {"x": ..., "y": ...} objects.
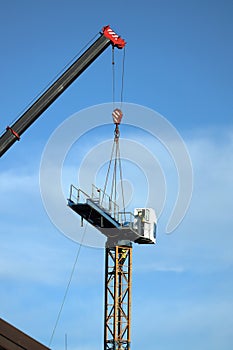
[{"x": 145, "y": 223}]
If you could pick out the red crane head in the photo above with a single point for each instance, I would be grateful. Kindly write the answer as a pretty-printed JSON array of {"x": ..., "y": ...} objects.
[{"x": 115, "y": 38}]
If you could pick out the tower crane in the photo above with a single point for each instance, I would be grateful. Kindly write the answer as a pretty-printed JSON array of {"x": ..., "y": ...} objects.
[{"x": 121, "y": 230}]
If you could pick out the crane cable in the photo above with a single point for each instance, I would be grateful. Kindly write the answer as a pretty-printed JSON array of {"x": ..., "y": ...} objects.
[
  {"x": 68, "y": 284},
  {"x": 122, "y": 77},
  {"x": 114, "y": 78},
  {"x": 115, "y": 153}
]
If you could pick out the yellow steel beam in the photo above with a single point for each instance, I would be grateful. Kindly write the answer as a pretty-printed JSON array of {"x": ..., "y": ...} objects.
[{"x": 118, "y": 283}]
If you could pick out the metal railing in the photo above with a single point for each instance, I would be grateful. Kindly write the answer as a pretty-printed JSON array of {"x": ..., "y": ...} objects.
[
  {"x": 101, "y": 199},
  {"x": 77, "y": 195},
  {"x": 126, "y": 219},
  {"x": 105, "y": 202}
]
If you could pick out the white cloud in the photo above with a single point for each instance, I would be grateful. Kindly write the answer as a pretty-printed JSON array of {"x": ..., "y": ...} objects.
[{"x": 12, "y": 182}]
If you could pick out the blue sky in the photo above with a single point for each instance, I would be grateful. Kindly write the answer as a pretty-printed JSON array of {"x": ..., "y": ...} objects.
[{"x": 179, "y": 63}]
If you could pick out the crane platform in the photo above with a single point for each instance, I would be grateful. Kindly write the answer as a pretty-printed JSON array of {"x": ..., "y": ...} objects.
[{"x": 101, "y": 212}]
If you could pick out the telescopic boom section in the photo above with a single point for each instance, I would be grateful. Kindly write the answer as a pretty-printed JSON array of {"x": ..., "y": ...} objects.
[{"x": 13, "y": 132}]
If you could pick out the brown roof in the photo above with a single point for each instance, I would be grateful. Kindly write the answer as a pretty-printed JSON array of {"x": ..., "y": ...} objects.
[{"x": 12, "y": 338}]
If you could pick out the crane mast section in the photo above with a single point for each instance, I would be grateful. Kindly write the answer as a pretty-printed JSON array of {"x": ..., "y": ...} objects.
[
  {"x": 118, "y": 286},
  {"x": 14, "y": 132}
]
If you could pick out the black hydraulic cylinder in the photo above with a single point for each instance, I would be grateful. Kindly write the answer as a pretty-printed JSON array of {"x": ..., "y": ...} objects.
[{"x": 13, "y": 132}]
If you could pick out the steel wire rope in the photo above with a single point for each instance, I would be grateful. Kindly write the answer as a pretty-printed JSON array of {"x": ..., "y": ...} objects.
[
  {"x": 119, "y": 156},
  {"x": 121, "y": 180},
  {"x": 68, "y": 284},
  {"x": 50, "y": 83},
  {"x": 117, "y": 161},
  {"x": 108, "y": 171},
  {"x": 116, "y": 146},
  {"x": 113, "y": 77},
  {"x": 113, "y": 188},
  {"x": 122, "y": 77}
]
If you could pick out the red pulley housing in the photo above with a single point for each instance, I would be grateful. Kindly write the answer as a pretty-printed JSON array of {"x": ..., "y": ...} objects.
[
  {"x": 117, "y": 116},
  {"x": 115, "y": 38}
]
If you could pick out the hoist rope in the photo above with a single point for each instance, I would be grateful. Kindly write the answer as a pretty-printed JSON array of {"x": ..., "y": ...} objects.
[
  {"x": 122, "y": 77},
  {"x": 122, "y": 190},
  {"x": 113, "y": 77},
  {"x": 113, "y": 188},
  {"x": 115, "y": 153},
  {"x": 68, "y": 285},
  {"x": 108, "y": 171}
]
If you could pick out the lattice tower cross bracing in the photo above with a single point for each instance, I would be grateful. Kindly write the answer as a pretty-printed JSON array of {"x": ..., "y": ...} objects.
[{"x": 118, "y": 282}]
